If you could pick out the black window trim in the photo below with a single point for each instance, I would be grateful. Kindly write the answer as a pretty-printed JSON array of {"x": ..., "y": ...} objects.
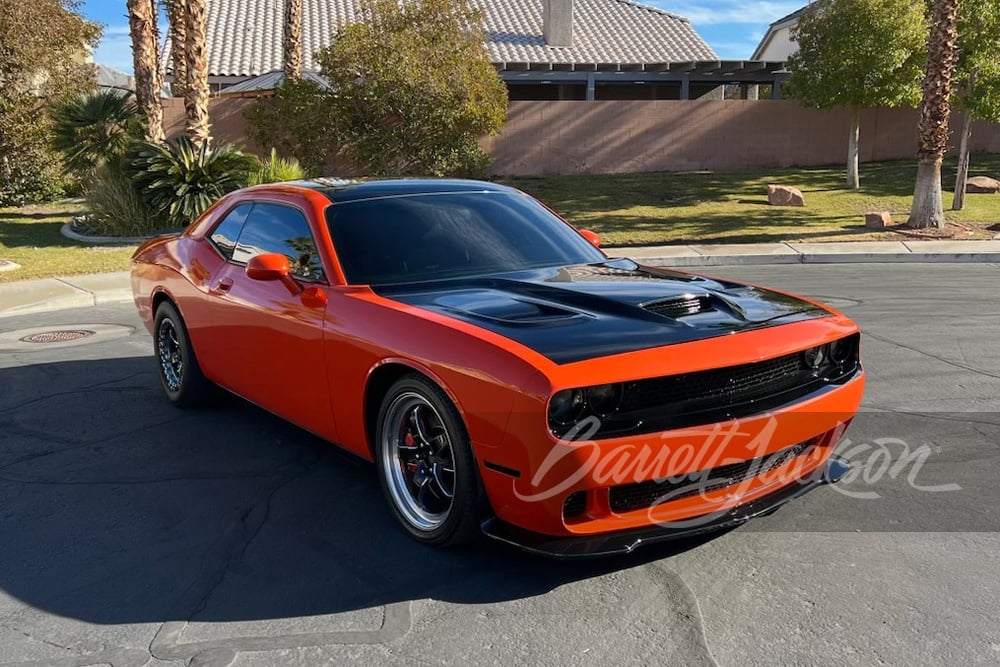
[{"x": 266, "y": 200}]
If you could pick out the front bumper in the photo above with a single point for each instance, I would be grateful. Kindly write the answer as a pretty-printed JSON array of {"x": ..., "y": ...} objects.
[{"x": 627, "y": 541}]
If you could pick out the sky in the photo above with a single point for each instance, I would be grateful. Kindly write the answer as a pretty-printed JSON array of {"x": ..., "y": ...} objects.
[{"x": 732, "y": 27}]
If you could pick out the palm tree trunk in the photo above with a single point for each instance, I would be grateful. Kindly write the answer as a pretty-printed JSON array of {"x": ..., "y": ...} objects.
[
  {"x": 958, "y": 203},
  {"x": 176, "y": 10},
  {"x": 145, "y": 61},
  {"x": 293, "y": 39},
  {"x": 935, "y": 112},
  {"x": 853, "y": 172},
  {"x": 196, "y": 59}
]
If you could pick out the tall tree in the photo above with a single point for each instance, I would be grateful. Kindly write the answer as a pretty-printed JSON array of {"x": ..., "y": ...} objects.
[
  {"x": 858, "y": 53},
  {"x": 415, "y": 89},
  {"x": 196, "y": 58},
  {"x": 977, "y": 78},
  {"x": 176, "y": 10},
  {"x": 42, "y": 49},
  {"x": 935, "y": 112},
  {"x": 146, "y": 64},
  {"x": 293, "y": 39}
]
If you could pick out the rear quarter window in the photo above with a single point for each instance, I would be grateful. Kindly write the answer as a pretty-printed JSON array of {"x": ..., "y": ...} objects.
[{"x": 227, "y": 231}]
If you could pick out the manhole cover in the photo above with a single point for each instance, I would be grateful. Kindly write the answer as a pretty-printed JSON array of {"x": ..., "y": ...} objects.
[
  {"x": 38, "y": 339},
  {"x": 61, "y": 336}
]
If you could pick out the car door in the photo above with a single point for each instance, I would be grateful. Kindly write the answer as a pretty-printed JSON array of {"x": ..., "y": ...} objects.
[{"x": 267, "y": 343}]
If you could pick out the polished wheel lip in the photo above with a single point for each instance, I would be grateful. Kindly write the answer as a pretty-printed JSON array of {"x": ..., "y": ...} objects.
[
  {"x": 169, "y": 349},
  {"x": 418, "y": 461}
]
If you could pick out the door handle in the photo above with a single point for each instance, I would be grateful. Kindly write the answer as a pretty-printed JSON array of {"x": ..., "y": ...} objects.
[{"x": 224, "y": 285}]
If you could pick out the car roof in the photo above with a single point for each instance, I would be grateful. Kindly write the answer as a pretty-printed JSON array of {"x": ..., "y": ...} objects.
[{"x": 346, "y": 190}]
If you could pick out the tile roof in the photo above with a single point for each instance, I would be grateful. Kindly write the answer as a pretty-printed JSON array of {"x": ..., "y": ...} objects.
[{"x": 244, "y": 36}]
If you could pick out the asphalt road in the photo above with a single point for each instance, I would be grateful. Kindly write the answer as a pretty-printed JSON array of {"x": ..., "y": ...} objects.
[{"x": 132, "y": 533}]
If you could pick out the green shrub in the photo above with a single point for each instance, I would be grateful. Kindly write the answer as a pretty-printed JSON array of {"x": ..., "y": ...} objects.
[
  {"x": 181, "y": 179},
  {"x": 276, "y": 169},
  {"x": 94, "y": 129},
  {"x": 415, "y": 88},
  {"x": 116, "y": 207},
  {"x": 297, "y": 118}
]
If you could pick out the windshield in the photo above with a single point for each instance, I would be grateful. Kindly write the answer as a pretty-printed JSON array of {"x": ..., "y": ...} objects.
[{"x": 414, "y": 238}]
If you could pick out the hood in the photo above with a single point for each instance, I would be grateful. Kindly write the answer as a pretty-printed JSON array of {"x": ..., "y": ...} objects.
[{"x": 580, "y": 312}]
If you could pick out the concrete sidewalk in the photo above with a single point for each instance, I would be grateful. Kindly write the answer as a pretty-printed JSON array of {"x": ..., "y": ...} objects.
[{"x": 34, "y": 296}]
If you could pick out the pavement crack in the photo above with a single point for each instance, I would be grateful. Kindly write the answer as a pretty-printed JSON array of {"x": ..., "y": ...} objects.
[
  {"x": 82, "y": 390},
  {"x": 934, "y": 416},
  {"x": 672, "y": 579},
  {"x": 40, "y": 640},
  {"x": 944, "y": 360}
]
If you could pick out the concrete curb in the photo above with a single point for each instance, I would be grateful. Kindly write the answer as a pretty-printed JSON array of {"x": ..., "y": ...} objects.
[
  {"x": 67, "y": 231},
  {"x": 51, "y": 294},
  {"x": 854, "y": 258}
]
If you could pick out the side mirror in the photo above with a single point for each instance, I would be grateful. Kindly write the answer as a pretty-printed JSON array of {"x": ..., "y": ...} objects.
[
  {"x": 593, "y": 237},
  {"x": 272, "y": 266}
]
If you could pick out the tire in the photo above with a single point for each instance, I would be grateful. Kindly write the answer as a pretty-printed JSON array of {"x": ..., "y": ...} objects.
[
  {"x": 419, "y": 432},
  {"x": 179, "y": 372}
]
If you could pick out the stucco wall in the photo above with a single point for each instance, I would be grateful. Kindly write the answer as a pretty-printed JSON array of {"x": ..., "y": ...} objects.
[{"x": 663, "y": 135}]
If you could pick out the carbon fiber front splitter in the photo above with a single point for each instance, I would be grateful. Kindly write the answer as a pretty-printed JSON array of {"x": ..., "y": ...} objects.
[{"x": 627, "y": 541}]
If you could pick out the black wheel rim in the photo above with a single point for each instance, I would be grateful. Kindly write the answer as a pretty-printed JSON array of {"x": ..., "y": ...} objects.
[
  {"x": 418, "y": 461},
  {"x": 169, "y": 349}
]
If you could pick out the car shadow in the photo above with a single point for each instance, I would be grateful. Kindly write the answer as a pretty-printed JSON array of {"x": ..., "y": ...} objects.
[{"x": 118, "y": 508}]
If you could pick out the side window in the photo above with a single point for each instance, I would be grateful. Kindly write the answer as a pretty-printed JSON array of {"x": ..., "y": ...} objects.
[
  {"x": 282, "y": 229},
  {"x": 228, "y": 230}
]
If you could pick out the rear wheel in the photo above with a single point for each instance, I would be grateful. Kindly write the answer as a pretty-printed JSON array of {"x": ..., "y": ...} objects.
[
  {"x": 425, "y": 464},
  {"x": 180, "y": 375}
]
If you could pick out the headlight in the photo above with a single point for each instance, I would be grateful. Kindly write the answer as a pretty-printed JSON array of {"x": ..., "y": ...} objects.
[
  {"x": 604, "y": 399},
  {"x": 815, "y": 356},
  {"x": 840, "y": 350},
  {"x": 566, "y": 406}
]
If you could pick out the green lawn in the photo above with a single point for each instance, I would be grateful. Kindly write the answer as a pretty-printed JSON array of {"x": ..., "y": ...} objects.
[
  {"x": 626, "y": 209},
  {"x": 30, "y": 236},
  {"x": 698, "y": 207}
]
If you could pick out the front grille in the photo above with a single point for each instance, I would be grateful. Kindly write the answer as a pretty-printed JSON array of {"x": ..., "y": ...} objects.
[
  {"x": 630, "y": 497},
  {"x": 720, "y": 394},
  {"x": 736, "y": 384},
  {"x": 674, "y": 308}
]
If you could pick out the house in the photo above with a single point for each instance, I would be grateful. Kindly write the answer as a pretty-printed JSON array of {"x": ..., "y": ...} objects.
[
  {"x": 109, "y": 78},
  {"x": 543, "y": 49},
  {"x": 777, "y": 43}
]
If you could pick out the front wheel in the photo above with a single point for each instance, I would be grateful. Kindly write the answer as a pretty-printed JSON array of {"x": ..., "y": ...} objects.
[
  {"x": 180, "y": 374},
  {"x": 425, "y": 464}
]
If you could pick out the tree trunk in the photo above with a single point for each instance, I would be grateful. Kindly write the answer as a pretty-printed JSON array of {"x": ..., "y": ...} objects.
[
  {"x": 176, "y": 10},
  {"x": 935, "y": 112},
  {"x": 963, "y": 164},
  {"x": 853, "y": 173},
  {"x": 958, "y": 203},
  {"x": 145, "y": 61},
  {"x": 927, "y": 201},
  {"x": 196, "y": 59},
  {"x": 293, "y": 39}
]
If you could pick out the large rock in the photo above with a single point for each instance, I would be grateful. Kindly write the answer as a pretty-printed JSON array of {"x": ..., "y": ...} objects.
[
  {"x": 982, "y": 185},
  {"x": 878, "y": 221},
  {"x": 784, "y": 195}
]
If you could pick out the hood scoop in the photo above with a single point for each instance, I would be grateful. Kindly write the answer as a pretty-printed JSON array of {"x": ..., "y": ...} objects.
[{"x": 680, "y": 307}]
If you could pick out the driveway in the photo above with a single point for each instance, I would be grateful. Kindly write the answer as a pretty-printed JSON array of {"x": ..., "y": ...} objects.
[{"x": 134, "y": 533}]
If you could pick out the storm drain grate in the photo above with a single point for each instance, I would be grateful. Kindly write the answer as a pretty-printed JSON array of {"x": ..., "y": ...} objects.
[{"x": 59, "y": 336}]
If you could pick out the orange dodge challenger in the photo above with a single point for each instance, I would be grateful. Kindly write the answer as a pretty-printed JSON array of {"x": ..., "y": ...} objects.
[{"x": 504, "y": 374}]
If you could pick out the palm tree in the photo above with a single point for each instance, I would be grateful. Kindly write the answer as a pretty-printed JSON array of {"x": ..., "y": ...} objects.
[
  {"x": 196, "y": 58},
  {"x": 145, "y": 61},
  {"x": 935, "y": 112},
  {"x": 93, "y": 129},
  {"x": 293, "y": 39},
  {"x": 176, "y": 10}
]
